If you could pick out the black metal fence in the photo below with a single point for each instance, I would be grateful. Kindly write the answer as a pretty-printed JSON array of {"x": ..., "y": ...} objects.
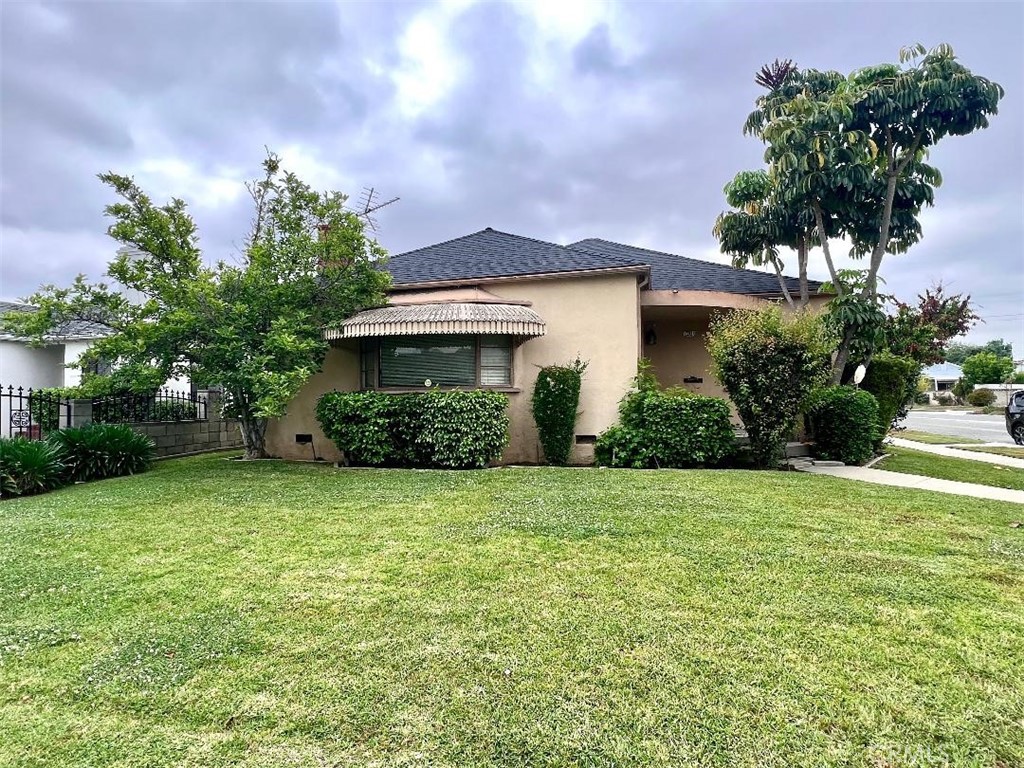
[
  {"x": 32, "y": 413},
  {"x": 162, "y": 405}
]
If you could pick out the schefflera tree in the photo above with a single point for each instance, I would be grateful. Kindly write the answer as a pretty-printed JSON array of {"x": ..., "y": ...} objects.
[{"x": 850, "y": 152}]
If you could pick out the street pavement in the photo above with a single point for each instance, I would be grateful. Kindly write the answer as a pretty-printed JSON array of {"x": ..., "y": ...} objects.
[{"x": 990, "y": 428}]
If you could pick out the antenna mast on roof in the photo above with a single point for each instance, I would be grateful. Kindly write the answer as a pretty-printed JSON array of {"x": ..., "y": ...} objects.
[{"x": 369, "y": 205}]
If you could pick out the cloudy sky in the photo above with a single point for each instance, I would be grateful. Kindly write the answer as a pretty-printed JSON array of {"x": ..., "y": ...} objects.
[{"x": 557, "y": 119}]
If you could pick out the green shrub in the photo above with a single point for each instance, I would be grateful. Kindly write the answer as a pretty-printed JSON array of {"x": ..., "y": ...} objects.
[
  {"x": 844, "y": 422},
  {"x": 769, "y": 363},
  {"x": 96, "y": 451},
  {"x": 556, "y": 400},
  {"x": 673, "y": 428},
  {"x": 945, "y": 398},
  {"x": 29, "y": 466},
  {"x": 1017, "y": 378},
  {"x": 454, "y": 429},
  {"x": 921, "y": 398},
  {"x": 893, "y": 382},
  {"x": 982, "y": 397}
]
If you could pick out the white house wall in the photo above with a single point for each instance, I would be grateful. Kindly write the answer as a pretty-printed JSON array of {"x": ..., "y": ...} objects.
[{"x": 35, "y": 367}]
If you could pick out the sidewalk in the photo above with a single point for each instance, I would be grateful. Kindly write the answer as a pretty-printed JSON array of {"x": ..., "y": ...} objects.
[
  {"x": 884, "y": 477},
  {"x": 942, "y": 450}
]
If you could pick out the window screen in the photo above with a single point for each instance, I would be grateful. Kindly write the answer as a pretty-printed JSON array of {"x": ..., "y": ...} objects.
[
  {"x": 447, "y": 361},
  {"x": 412, "y": 361}
]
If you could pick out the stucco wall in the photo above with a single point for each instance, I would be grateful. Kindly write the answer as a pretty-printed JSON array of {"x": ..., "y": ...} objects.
[
  {"x": 341, "y": 372},
  {"x": 595, "y": 317},
  {"x": 72, "y": 351},
  {"x": 35, "y": 367}
]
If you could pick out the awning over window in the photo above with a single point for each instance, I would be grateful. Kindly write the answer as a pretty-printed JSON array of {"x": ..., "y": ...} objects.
[{"x": 449, "y": 318}]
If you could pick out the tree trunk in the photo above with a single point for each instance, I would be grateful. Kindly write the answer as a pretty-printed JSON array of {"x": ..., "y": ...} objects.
[
  {"x": 254, "y": 433},
  {"x": 782, "y": 284},
  {"x": 842, "y": 356},
  {"x": 819, "y": 221},
  {"x": 801, "y": 257}
]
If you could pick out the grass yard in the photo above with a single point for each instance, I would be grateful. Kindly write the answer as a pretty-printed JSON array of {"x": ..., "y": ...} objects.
[
  {"x": 964, "y": 470},
  {"x": 214, "y": 613},
  {"x": 1013, "y": 451},
  {"x": 930, "y": 439}
]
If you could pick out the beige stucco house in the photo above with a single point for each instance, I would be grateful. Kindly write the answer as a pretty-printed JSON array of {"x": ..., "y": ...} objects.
[{"x": 489, "y": 309}]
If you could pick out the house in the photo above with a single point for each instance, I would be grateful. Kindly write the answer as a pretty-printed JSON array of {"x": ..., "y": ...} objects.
[
  {"x": 491, "y": 308},
  {"x": 27, "y": 366},
  {"x": 942, "y": 377}
]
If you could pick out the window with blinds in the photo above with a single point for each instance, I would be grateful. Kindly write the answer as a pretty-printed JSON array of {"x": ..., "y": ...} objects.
[{"x": 439, "y": 360}]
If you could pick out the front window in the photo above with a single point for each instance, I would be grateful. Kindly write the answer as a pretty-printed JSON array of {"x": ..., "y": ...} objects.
[{"x": 437, "y": 360}]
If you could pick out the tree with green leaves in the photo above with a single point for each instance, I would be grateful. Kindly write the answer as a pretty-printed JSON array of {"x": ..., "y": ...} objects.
[
  {"x": 987, "y": 368},
  {"x": 255, "y": 326},
  {"x": 958, "y": 352},
  {"x": 852, "y": 151},
  {"x": 922, "y": 331}
]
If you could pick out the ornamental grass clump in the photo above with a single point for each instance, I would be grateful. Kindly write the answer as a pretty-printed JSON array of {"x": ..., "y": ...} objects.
[{"x": 769, "y": 363}]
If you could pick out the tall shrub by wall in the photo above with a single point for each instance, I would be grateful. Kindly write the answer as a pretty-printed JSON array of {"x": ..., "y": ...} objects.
[
  {"x": 768, "y": 363},
  {"x": 556, "y": 400},
  {"x": 893, "y": 382},
  {"x": 844, "y": 422}
]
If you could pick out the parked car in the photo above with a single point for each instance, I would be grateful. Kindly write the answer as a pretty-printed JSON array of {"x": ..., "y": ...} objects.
[{"x": 1015, "y": 417}]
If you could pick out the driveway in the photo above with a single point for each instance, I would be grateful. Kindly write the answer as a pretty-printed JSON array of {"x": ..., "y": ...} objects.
[{"x": 990, "y": 428}]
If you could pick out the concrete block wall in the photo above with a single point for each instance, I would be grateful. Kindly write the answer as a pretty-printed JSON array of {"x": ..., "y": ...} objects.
[{"x": 178, "y": 438}]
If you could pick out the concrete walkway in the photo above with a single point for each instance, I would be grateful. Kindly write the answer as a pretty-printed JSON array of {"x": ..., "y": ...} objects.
[
  {"x": 957, "y": 453},
  {"x": 900, "y": 480}
]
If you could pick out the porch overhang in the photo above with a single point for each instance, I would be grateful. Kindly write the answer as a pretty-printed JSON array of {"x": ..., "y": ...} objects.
[{"x": 441, "y": 318}]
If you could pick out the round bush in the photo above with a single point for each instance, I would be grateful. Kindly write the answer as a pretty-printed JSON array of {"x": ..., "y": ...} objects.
[
  {"x": 982, "y": 397},
  {"x": 844, "y": 422}
]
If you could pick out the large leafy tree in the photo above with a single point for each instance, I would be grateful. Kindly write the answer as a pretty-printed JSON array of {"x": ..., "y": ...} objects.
[
  {"x": 851, "y": 152},
  {"x": 958, "y": 352},
  {"x": 987, "y": 368},
  {"x": 256, "y": 325}
]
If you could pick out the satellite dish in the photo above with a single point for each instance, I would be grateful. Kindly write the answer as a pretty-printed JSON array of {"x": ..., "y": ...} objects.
[{"x": 858, "y": 375}]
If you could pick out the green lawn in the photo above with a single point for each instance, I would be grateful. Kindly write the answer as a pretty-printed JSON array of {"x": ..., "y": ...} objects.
[
  {"x": 965, "y": 470},
  {"x": 1013, "y": 451},
  {"x": 928, "y": 437},
  {"x": 214, "y": 613}
]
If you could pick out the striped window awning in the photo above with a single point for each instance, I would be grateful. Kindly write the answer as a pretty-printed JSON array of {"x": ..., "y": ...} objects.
[{"x": 447, "y": 318}]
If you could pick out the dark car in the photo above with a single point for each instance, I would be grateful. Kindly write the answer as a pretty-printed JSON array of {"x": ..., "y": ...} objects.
[{"x": 1015, "y": 417}]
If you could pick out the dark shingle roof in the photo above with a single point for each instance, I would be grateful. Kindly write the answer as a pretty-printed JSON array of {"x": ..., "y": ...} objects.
[
  {"x": 490, "y": 253},
  {"x": 672, "y": 272},
  {"x": 73, "y": 329}
]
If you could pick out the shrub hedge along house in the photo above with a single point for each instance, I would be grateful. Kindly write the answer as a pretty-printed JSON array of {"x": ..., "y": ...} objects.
[{"x": 489, "y": 310}]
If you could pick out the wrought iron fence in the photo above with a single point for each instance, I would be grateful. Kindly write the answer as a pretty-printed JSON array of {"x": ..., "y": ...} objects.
[
  {"x": 32, "y": 413},
  {"x": 162, "y": 405}
]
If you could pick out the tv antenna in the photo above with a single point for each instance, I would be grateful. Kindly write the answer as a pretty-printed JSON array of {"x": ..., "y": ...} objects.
[{"x": 369, "y": 204}]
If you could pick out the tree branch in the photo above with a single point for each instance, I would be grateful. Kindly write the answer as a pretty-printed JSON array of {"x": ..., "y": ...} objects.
[
  {"x": 819, "y": 222},
  {"x": 782, "y": 284}
]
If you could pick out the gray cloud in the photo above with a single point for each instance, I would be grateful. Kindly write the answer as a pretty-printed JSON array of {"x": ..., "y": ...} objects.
[{"x": 625, "y": 129}]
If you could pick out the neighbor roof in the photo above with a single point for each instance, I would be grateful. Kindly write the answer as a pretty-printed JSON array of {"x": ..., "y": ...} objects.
[
  {"x": 73, "y": 329},
  {"x": 672, "y": 272},
  {"x": 492, "y": 254},
  {"x": 943, "y": 371}
]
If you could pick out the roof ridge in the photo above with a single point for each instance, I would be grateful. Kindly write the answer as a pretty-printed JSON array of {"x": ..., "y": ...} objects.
[{"x": 678, "y": 256}]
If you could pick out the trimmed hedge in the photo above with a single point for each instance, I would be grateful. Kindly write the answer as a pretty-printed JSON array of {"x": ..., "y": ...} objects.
[
  {"x": 556, "y": 400},
  {"x": 668, "y": 429},
  {"x": 844, "y": 422},
  {"x": 456, "y": 429},
  {"x": 893, "y": 382}
]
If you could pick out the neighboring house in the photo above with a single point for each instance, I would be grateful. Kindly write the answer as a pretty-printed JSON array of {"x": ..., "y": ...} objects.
[
  {"x": 489, "y": 309},
  {"x": 24, "y": 365},
  {"x": 942, "y": 377}
]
